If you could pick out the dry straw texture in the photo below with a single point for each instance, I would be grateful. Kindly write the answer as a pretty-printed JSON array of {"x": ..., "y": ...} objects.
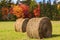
[
  {"x": 39, "y": 28},
  {"x": 20, "y": 25}
]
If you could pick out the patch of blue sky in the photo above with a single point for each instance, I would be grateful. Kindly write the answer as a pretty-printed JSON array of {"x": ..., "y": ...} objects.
[{"x": 38, "y": 1}]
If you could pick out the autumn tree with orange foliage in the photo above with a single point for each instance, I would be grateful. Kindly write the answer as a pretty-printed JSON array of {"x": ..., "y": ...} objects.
[
  {"x": 5, "y": 13},
  {"x": 25, "y": 10},
  {"x": 36, "y": 11},
  {"x": 20, "y": 11}
]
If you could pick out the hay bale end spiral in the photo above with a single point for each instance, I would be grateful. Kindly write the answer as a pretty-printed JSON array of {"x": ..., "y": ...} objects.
[
  {"x": 39, "y": 28},
  {"x": 20, "y": 24}
]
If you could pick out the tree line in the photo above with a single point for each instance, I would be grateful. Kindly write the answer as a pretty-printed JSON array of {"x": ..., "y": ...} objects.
[{"x": 46, "y": 9}]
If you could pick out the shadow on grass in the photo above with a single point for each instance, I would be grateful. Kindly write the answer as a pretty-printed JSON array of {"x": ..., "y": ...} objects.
[{"x": 55, "y": 35}]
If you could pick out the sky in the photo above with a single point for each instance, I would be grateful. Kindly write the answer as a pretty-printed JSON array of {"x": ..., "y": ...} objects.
[{"x": 36, "y": 1}]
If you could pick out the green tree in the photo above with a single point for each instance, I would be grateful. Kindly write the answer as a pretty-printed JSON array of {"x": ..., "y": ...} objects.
[
  {"x": 32, "y": 6},
  {"x": 55, "y": 11},
  {"x": 42, "y": 9},
  {"x": 59, "y": 9},
  {"x": 49, "y": 9},
  {"x": 5, "y": 3}
]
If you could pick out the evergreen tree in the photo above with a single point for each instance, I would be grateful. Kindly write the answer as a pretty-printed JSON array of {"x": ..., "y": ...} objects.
[{"x": 55, "y": 11}]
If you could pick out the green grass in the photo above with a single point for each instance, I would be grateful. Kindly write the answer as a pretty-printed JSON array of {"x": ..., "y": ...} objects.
[{"x": 7, "y": 32}]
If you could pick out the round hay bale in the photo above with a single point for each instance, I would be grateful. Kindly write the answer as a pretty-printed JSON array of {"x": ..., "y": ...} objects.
[
  {"x": 20, "y": 25},
  {"x": 39, "y": 28}
]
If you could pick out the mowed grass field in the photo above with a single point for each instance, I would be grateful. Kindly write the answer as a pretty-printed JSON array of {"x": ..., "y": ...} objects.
[{"x": 7, "y": 32}]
